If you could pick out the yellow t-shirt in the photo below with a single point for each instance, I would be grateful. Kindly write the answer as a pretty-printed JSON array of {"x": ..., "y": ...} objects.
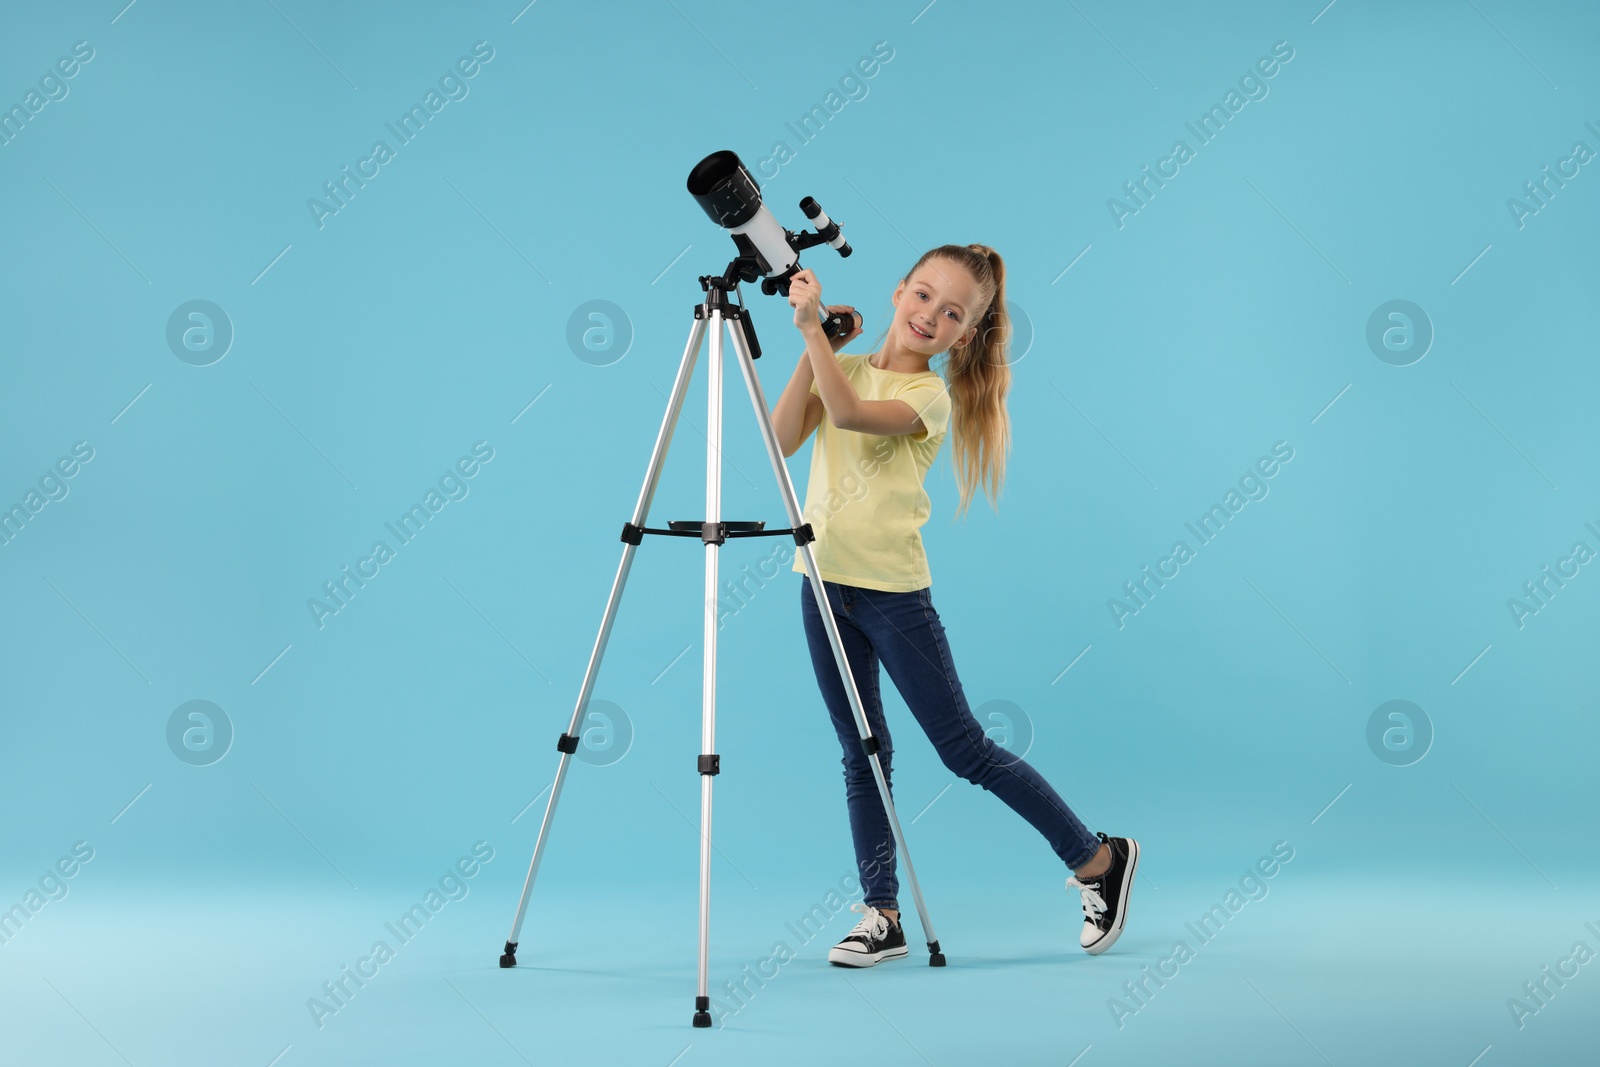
[{"x": 865, "y": 501}]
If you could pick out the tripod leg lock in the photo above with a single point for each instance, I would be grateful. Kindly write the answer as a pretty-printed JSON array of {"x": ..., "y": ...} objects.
[
  {"x": 632, "y": 534},
  {"x": 803, "y": 534},
  {"x": 567, "y": 743},
  {"x": 711, "y": 764},
  {"x": 869, "y": 745}
]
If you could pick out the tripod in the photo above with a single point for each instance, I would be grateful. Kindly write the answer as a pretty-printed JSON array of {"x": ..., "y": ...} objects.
[{"x": 713, "y": 533}]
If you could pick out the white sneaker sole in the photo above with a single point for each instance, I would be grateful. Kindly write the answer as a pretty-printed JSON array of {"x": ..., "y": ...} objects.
[
  {"x": 846, "y": 958},
  {"x": 1111, "y": 935}
]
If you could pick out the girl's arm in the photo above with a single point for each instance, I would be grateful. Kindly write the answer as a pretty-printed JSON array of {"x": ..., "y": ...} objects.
[
  {"x": 797, "y": 412},
  {"x": 846, "y": 409},
  {"x": 839, "y": 397}
]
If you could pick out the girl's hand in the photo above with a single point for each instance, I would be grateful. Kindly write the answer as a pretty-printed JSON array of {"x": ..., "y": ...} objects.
[
  {"x": 844, "y": 338},
  {"x": 805, "y": 293}
]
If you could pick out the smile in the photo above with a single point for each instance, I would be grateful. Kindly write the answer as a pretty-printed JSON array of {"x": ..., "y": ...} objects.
[{"x": 918, "y": 331}]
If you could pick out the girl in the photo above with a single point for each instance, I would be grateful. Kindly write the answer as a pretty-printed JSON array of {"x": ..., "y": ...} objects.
[{"x": 880, "y": 420}]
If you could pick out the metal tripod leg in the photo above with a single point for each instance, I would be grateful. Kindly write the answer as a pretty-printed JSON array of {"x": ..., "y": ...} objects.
[
  {"x": 568, "y": 743},
  {"x": 868, "y": 743},
  {"x": 708, "y": 687}
]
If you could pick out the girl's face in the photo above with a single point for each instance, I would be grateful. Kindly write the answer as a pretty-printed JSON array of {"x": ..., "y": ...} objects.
[{"x": 937, "y": 308}]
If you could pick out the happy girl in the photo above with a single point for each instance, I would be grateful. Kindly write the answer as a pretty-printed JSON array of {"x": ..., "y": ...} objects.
[{"x": 888, "y": 412}]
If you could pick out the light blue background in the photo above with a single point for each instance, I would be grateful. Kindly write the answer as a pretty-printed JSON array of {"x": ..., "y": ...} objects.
[{"x": 370, "y": 353}]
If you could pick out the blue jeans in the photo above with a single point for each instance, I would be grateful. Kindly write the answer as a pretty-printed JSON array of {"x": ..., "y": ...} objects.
[{"x": 904, "y": 631}]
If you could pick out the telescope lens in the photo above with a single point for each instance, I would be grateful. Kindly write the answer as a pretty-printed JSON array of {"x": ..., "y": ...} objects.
[{"x": 725, "y": 189}]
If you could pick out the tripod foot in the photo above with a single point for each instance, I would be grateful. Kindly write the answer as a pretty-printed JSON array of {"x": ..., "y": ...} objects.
[
  {"x": 935, "y": 957},
  {"x": 702, "y": 1016},
  {"x": 509, "y": 959}
]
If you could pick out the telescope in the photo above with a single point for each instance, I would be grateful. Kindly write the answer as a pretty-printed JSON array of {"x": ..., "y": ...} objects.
[
  {"x": 771, "y": 253},
  {"x": 729, "y": 194}
]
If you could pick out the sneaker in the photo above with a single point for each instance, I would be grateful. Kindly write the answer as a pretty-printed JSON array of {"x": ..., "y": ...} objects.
[
  {"x": 1105, "y": 896},
  {"x": 876, "y": 937}
]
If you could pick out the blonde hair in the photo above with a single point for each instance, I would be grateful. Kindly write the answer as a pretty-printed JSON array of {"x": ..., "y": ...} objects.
[{"x": 978, "y": 377}]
